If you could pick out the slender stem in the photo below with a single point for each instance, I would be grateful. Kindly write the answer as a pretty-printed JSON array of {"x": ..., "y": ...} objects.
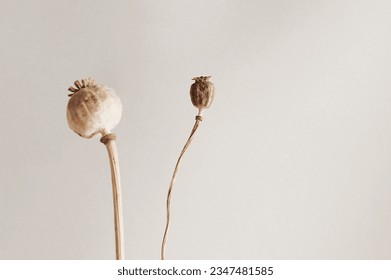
[
  {"x": 109, "y": 141},
  {"x": 168, "y": 202}
]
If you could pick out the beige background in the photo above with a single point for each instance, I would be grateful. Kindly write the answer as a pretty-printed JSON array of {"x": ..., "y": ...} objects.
[{"x": 292, "y": 161}]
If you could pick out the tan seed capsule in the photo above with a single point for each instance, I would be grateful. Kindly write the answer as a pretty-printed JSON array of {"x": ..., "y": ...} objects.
[
  {"x": 93, "y": 109},
  {"x": 202, "y": 93}
]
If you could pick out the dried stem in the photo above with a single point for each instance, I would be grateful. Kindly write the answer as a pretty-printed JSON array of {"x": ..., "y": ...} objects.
[
  {"x": 109, "y": 141},
  {"x": 168, "y": 203}
]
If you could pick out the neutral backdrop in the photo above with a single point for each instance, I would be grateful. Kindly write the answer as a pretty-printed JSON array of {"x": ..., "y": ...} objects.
[{"x": 292, "y": 160}]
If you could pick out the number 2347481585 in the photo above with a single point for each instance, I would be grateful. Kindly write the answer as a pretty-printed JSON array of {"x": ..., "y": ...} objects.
[{"x": 241, "y": 270}]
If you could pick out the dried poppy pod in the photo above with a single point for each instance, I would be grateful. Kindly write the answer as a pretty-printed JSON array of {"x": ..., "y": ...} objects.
[
  {"x": 202, "y": 93},
  {"x": 93, "y": 109}
]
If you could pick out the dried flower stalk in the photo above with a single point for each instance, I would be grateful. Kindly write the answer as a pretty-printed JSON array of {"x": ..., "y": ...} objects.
[
  {"x": 94, "y": 109},
  {"x": 201, "y": 94}
]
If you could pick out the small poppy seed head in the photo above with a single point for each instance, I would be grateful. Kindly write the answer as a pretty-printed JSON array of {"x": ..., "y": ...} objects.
[{"x": 202, "y": 92}]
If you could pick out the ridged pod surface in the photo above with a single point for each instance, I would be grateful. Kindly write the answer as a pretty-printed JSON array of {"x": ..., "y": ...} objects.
[
  {"x": 93, "y": 109},
  {"x": 202, "y": 92}
]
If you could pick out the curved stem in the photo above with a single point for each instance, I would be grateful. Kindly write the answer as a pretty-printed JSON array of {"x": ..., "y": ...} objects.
[
  {"x": 168, "y": 202},
  {"x": 109, "y": 141}
]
